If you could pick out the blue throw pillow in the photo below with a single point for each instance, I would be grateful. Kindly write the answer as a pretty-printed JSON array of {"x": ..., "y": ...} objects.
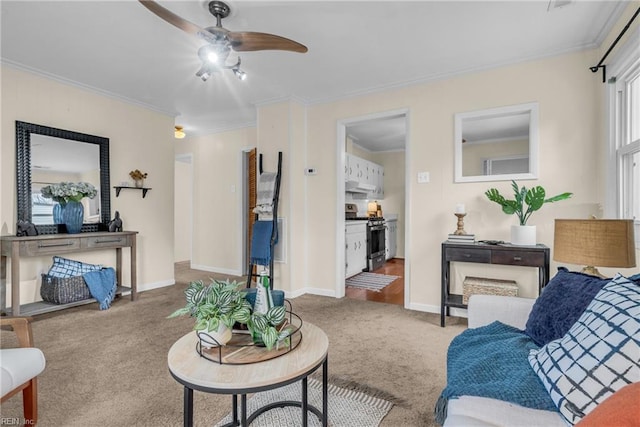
[
  {"x": 561, "y": 303},
  {"x": 598, "y": 356},
  {"x": 63, "y": 267}
]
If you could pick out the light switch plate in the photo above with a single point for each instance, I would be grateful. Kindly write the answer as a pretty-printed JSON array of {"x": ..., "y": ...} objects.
[{"x": 423, "y": 177}]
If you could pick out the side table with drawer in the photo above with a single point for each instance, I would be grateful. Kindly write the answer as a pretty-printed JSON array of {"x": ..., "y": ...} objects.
[{"x": 502, "y": 254}]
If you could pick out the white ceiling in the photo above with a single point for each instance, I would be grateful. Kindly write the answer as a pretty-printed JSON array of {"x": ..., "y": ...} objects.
[
  {"x": 121, "y": 49},
  {"x": 382, "y": 134}
]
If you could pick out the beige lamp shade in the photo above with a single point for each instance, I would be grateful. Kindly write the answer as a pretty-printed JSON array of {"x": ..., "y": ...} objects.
[{"x": 595, "y": 242}]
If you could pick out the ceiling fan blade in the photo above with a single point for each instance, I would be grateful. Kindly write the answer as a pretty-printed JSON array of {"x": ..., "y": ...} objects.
[
  {"x": 172, "y": 18},
  {"x": 245, "y": 41}
]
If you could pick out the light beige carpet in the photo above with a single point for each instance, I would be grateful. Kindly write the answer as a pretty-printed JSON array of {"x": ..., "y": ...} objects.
[{"x": 109, "y": 367}]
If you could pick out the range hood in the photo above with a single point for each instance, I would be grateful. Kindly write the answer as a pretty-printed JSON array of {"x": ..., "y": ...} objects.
[{"x": 358, "y": 187}]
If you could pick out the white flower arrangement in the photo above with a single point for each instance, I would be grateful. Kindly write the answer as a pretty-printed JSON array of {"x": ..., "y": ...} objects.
[{"x": 65, "y": 192}]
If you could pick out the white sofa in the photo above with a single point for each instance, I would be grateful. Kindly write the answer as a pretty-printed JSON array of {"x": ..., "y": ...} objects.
[{"x": 468, "y": 411}]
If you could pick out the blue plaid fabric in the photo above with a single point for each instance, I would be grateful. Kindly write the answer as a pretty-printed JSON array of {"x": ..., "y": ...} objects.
[
  {"x": 63, "y": 267},
  {"x": 599, "y": 354}
]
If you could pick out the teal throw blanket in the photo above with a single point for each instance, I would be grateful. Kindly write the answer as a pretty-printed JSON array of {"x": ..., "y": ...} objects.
[
  {"x": 261, "y": 242},
  {"x": 102, "y": 285},
  {"x": 492, "y": 361}
]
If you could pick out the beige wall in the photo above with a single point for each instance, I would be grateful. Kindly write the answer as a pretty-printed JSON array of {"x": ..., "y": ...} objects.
[
  {"x": 281, "y": 127},
  {"x": 138, "y": 138},
  {"x": 183, "y": 208},
  {"x": 217, "y": 191},
  {"x": 569, "y": 137}
]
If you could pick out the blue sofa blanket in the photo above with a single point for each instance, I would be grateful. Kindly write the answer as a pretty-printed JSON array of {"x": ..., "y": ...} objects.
[
  {"x": 102, "y": 285},
  {"x": 491, "y": 361}
]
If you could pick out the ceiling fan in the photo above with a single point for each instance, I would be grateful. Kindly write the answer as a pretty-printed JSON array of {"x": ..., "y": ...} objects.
[{"x": 222, "y": 41}]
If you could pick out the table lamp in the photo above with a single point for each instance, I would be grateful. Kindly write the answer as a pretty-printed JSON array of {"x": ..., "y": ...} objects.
[{"x": 595, "y": 242}]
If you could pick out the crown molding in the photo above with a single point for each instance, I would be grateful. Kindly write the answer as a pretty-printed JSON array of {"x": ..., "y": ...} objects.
[
  {"x": 447, "y": 75},
  {"x": 221, "y": 129},
  {"x": 88, "y": 88}
]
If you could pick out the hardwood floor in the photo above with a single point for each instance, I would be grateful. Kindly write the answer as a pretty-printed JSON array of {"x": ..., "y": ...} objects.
[{"x": 391, "y": 294}]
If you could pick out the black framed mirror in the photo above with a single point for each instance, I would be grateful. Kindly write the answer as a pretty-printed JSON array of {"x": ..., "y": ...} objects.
[{"x": 52, "y": 140}]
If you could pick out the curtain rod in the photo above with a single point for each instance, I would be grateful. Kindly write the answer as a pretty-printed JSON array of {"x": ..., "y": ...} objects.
[{"x": 595, "y": 68}]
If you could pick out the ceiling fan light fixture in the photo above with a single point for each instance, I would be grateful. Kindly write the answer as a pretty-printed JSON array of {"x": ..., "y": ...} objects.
[
  {"x": 212, "y": 57},
  {"x": 240, "y": 74},
  {"x": 178, "y": 132},
  {"x": 204, "y": 72},
  {"x": 221, "y": 41}
]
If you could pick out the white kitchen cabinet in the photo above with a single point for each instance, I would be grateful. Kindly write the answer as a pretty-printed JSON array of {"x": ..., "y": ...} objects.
[
  {"x": 365, "y": 172},
  {"x": 355, "y": 247},
  {"x": 377, "y": 179},
  {"x": 356, "y": 168},
  {"x": 391, "y": 239},
  {"x": 347, "y": 163}
]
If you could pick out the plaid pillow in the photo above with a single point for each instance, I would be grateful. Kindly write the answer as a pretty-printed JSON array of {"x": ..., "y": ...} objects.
[
  {"x": 63, "y": 267},
  {"x": 599, "y": 354}
]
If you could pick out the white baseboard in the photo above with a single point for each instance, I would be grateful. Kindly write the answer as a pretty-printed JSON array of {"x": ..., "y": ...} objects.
[
  {"x": 313, "y": 291},
  {"x": 155, "y": 285},
  {"x": 428, "y": 308},
  {"x": 217, "y": 270}
]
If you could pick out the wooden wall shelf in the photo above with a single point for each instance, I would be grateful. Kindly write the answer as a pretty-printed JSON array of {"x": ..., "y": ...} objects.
[{"x": 144, "y": 189}]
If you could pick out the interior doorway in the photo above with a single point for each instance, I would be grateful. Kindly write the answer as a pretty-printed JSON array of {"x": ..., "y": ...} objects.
[
  {"x": 383, "y": 140},
  {"x": 249, "y": 196},
  {"x": 183, "y": 208}
]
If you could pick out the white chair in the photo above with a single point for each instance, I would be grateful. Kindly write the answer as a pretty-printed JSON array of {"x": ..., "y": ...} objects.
[{"x": 20, "y": 366}]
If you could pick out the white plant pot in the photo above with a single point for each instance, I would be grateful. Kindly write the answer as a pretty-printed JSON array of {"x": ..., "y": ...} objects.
[
  {"x": 221, "y": 336},
  {"x": 523, "y": 235}
]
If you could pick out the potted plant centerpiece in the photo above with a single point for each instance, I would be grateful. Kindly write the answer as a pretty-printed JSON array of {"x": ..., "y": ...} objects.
[
  {"x": 216, "y": 307},
  {"x": 534, "y": 198},
  {"x": 69, "y": 209},
  {"x": 270, "y": 329}
]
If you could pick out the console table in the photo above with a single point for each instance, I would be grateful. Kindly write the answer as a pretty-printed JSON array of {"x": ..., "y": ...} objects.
[
  {"x": 57, "y": 244},
  {"x": 503, "y": 254}
]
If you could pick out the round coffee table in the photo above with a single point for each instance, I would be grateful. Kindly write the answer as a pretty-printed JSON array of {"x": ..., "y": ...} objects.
[{"x": 196, "y": 373}]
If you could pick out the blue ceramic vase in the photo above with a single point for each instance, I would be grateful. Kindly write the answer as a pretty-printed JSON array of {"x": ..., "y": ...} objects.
[
  {"x": 73, "y": 216},
  {"x": 57, "y": 213}
]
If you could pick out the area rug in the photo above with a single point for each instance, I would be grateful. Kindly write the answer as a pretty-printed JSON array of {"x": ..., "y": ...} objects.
[
  {"x": 371, "y": 281},
  {"x": 347, "y": 408}
]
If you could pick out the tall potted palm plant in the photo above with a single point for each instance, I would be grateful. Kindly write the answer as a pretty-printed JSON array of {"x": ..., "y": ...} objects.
[{"x": 534, "y": 198}]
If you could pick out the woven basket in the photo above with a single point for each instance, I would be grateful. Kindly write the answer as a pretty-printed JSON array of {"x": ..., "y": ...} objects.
[
  {"x": 484, "y": 286},
  {"x": 60, "y": 290}
]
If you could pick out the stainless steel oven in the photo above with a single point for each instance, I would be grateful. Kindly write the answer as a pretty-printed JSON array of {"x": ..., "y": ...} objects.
[{"x": 376, "y": 229}]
